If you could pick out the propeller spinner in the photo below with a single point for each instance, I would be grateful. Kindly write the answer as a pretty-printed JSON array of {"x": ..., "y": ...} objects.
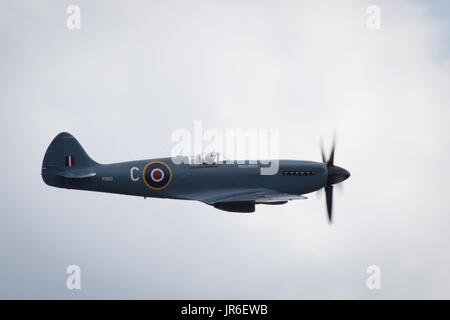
[{"x": 335, "y": 175}]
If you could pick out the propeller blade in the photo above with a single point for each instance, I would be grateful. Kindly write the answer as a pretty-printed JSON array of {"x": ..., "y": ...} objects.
[
  {"x": 329, "y": 195},
  {"x": 331, "y": 160}
]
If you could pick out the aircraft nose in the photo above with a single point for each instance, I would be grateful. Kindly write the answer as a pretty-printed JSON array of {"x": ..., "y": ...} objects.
[
  {"x": 337, "y": 174},
  {"x": 345, "y": 173}
]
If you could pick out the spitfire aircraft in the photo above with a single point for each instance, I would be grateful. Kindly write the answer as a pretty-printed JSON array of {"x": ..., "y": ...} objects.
[{"x": 227, "y": 186}]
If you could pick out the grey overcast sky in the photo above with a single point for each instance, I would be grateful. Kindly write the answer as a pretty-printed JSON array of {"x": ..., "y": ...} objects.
[{"x": 137, "y": 70}]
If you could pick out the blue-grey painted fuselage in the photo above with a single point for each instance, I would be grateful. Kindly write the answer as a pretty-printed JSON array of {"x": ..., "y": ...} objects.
[{"x": 233, "y": 187}]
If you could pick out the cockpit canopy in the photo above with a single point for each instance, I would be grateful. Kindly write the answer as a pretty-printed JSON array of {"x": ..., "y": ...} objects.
[
  {"x": 204, "y": 159},
  {"x": 209, "y": 158}
]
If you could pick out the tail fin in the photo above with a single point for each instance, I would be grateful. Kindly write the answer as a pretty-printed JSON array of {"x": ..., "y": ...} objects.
[{"x": 66, "y": 158}]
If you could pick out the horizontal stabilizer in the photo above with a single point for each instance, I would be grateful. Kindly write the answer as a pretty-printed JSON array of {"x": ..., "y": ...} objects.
[{"x": 77, "y": 173}]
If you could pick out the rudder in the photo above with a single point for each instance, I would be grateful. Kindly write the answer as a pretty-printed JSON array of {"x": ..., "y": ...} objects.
[{"x": 65, "y": 156}]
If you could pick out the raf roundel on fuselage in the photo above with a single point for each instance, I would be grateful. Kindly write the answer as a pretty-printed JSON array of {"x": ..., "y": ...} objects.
[{"x": 157, "y": 175}]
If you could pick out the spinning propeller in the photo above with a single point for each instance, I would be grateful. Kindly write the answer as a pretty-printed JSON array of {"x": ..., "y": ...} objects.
[{"x": 335, "y": 175}]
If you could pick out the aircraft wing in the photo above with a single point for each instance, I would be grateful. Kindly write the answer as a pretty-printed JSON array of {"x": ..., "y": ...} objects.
[
  {"x": 258, "y": 196},
  {"x": 279, "y": 197}
]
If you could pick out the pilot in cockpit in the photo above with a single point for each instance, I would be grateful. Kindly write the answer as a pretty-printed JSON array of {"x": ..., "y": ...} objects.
[{"x": 210, "y": 158}]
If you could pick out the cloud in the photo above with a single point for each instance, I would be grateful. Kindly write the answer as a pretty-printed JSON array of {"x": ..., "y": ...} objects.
[{"x": 134, "y": 73}]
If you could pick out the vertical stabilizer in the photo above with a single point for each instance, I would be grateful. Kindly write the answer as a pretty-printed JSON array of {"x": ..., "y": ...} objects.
[{"x": 66, "y": 158}]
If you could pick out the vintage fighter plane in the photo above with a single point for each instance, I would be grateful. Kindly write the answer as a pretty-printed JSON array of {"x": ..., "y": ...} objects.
[{"x": 230, "y": 187}]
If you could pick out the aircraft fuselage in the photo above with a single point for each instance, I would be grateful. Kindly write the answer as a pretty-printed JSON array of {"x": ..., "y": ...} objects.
[{"x": 134, "y": 178}]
